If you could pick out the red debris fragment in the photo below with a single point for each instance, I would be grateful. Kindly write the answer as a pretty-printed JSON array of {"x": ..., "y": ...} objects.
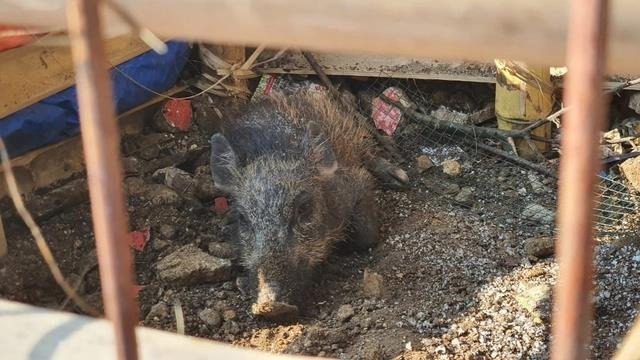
[
  {"x": 136, "y": 290},
  {"x": 138, "y": 239},
  {"x": 178, "y": 113},
  {"x": 221, "y": 206}
]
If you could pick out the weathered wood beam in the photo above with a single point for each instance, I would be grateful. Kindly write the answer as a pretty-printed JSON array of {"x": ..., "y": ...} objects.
[
  {"x": 532, "y": 31},
  {"x": 34, "y": 333}
]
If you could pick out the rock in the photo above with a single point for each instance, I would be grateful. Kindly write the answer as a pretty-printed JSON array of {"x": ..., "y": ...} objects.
[
  {"x": 167, "y": 231},
  {"x": 229, "y": 315},
  {"x": 222, "y": 250},
  {"x": 159, "y": 244},
  {"x": 450, "y": 115},
  {"x": 231, "y": 327},
  {"x": 607, "y": 151},
  {"x": 162, "y": 195},
  {"x": 177, "y": 179},
  {"x": 451, "y": 167},
  {"x": 510, "y": 261},
  {"x": 147, "y": 147},
  {"x": 206, "y": 116},
  {"x": 205, "y": 188},
  {"x": 630, "y": 169},
  {"x": 131, "y": 166},
  {"x": 423, "y": 162},
  {"x": 532, "y": 297},
  {"x": 449, "y": 188},
  {"x": 134, "y": 186},
  {"x": 221, "y": 305},
  {"x": 210, "y": 317},
  {"x": 372, "y": 284},
  {"x": 243, "y": 285},
  {"x": 465, "y": 196},
  {"x": 345, "y": 312},
  {"x": 229, "y": 286},
  {"x": 538, "y": 213},
  {"x": 536, "y": 186},
  {"x": 158, "y": 311},
  {"x": 189, "y": 265},
  {"x": 149, "y": 153},
  {"x": 634, "y": 102},
  {"x": 540, "y": 247}
]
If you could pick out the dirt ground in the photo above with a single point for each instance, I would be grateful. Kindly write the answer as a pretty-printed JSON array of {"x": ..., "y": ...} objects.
[{"x": 460, "y": 273}]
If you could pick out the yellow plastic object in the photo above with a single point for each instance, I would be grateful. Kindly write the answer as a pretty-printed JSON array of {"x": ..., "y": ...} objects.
[{"x": 524, "y": 94}]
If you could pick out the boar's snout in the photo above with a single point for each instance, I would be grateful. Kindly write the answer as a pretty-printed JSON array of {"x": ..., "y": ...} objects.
[
  {"x": 269, "y": 303},
  {"x": 274, "y": 310}
]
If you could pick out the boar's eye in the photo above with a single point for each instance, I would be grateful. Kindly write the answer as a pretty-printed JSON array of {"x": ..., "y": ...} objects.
[{"x": 303, "y": 208}]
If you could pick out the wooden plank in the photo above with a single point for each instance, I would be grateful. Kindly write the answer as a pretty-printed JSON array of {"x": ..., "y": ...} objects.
[
  {"x": 31, "y": 73},
  {"x": 394, "y": 67},
  {"x": 34, "y": 333},
  {"x": 378, "y": 66},
  {"x": 531, "y": 31}
]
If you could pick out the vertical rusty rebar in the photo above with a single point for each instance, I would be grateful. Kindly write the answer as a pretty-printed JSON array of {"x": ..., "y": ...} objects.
[
  {"x": 586, "y": 53},
  {"x": 101, "y": 143}
]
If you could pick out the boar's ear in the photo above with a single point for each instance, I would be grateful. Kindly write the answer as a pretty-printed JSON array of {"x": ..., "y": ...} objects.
[
  {"x": 223, "y": 162},
  {"x": 323, "y": 155}
]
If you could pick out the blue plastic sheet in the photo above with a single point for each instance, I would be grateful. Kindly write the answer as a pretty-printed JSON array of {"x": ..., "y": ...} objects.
[{"x": 56, "y": 117}]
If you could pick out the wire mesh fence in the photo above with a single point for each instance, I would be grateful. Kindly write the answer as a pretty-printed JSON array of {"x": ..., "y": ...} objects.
[{"x": 533, "y": 199}]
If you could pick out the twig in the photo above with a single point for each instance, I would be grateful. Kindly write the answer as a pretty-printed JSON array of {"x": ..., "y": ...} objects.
[
  {"x": 385, "y": 143},
  {"x": 623, "y": 86},
  {"x": 616, "y": 158},
  {"x": 3, "y": 239},
  {"x": 37, "y": 235},
  {"x": 177, "y": 310},
  {"x": 87, "y": 269},
  {"x": 554, "y": 117},
  {"x": 451, "y": 126},
  {"x": 445, "y": 125},
  {"x": 619, "y": 141},
  {"x": 518, "y": 160},
  {"x": 144, "y": 33},
  {"x": 321, "y": 74}
]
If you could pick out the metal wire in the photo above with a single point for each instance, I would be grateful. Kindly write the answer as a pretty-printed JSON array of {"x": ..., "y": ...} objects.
[{"x": 617, "y": 205}]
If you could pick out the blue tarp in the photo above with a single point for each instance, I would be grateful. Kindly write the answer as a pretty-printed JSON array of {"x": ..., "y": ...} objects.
[{"x": 56, "y": 117}]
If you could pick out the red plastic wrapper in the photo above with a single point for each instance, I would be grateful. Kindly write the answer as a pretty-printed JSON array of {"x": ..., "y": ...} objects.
[{"x": 385, "y": 116}]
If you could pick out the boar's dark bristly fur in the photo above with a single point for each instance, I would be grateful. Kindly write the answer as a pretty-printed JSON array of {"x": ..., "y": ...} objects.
[{"x": 294, "y": 168}]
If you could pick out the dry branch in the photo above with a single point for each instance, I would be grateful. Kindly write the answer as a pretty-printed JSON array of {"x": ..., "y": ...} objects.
[
  {"x": 387, "y": 144},
  {"x": 37, "y": 234},
  {"x": 473, "y": 131}
]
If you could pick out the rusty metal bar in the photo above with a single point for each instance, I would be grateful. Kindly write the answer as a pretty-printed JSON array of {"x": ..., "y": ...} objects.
[
  {"x": 101, "y": 143},
  {"x": 586, "y": 52}
]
